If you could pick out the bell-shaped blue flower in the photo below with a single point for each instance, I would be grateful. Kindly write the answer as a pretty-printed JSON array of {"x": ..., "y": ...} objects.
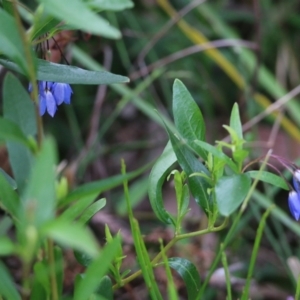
[
  {"x": 62, "y": 93},
  {"x": 52, "y": 94},
  {"x": 294, "y": 204}
]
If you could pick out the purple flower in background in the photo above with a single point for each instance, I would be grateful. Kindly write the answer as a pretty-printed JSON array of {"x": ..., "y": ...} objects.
[
  {"x": 52, "y": 94},
  {"x": 294, "y": 204}
]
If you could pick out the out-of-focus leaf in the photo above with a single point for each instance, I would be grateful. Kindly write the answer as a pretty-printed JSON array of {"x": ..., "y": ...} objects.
[
  {"x": 10, "y": 180},
  {"x": 71, "y": 235},
  {"x": 9, "y": 199},
  {"x": 231, "y": 192},
  {"x": 19, "y": 108},
  {"x": 101, "y": 185},
  {"x": 269, "y": 178},
  {"x": 11, "y": 43},
  {"x": 188, "y": 273},
  {"x": 7, "y": 287},
  {"x": 59, "y": 269},
  {"x": 113, "y": 5},
  {"x": 39, "y": 196},
  {"x": 7, "y": 247},
  {"x": 49, "y": 71},
  {"x": 41, "y": 284},
  {"x": 95, "y": 271},
  {"x": 10, "y": 131},
  {"x": 235, "y": 121},
  {"x": 187, "y": 117},
  {"x": 76, "y": 13},
  {"x": 157, "y": 177}
]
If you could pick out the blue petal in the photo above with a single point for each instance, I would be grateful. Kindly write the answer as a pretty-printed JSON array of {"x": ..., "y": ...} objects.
[
  {"x": 296, "y": 180},
  {"x": 294, "y": 204},
  {"x": 62, "y": 93},
  {"x": 42, "y": 105},
  {"x": 50, "y": 103}
]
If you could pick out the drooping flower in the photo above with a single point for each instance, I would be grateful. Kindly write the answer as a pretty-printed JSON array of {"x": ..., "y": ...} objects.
[
  {"x": 62, "y": 93},
  {"x": 294, "y": 204},
  {"x": 52, "y": 94}
]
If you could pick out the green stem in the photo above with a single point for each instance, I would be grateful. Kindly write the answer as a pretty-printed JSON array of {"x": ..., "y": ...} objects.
[
  {"x": 227, "y": 276},
  {"x": 259, "y": 233},
  {"x": 177, "y": 238},
  {"x": 51, "y": 263}
]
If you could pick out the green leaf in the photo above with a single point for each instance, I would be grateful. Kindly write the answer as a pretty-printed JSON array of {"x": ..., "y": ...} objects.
[
  {"x": 188, "y": 273},
  {"x": 7, "y": 247},
  {"x": 101, "y": 185},
  {"x": 10, "y": 180},
  {"x": 92, "y": 210},
  {"x": 74, "y": 211},
  {"x": 95, "y": 271},
  {"x": 105, "y": 288},
  {"x": 41, "y": 282},
  {"x": 235, "y": 121},
  {"x": 113, "y": 5},
  {"x": 188, "y": 118},
  {"x": 7, "y": 286},
  {"x": 218, "y": 153},
  {"x": 144, "y": 262},
  {"x": 9, "y": 199},
  {"x": 72, "y": 235},
  {"x": 59, "y": 269},
  {"x": 190, "y": 164},
  {"x": 76, "y": 13},
  {"x": 269, "y": 178},
  {"x": 11, "y": 43},
  {"x": 49, "y": 71},
  {"x": 39, "y": 196},
  {"x": 19, "y": 108},
  {"x": 42, "y": 24},
  {"x": 10, "y": 131},
  {"x": 231, "y": 192},
  {"x": 157, "y": 177}
]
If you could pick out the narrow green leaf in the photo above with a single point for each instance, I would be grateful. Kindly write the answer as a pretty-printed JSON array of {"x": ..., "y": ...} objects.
[
  {"x": 76, "y": 13},
  {"x": 144, "y": 262},
  {"x": 113, "y": 5},
  {"x": 72, "y": 235},
  {"x": 231, "y": 192},
  {"x": 7, "y": 287},
  {"x": 41, "y": 280},
  {"x": 39, "y": 196},
  {"x": 59, "y": 269},
  {"x": 92, "y": 210},
  {"x": 11, "y": 44},
  {"x": 101, "y": 185},
  {"x": 42, "y": 24},
  {"x": 95, "y": 271},
  {"x": 49, "y": 71},
  {"x": 188, "y": 118},
  {"x": 269, "y": 178},
  {"x": 19, "y": 108},
  {"x": 75, "y": 210},
  {"x": 190, "y": 164},
  {"x": 218, "y": 153},
  {"x": 235, "y": 121},
  {"x": 188, "y": 273},
  {"x": 157, "y": 177},
  {"x": 9, "y": 199}
]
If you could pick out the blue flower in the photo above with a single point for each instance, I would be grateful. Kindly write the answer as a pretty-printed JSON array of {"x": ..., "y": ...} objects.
[
  {"x": 294, "y": 204},
  {"x": 62, "y": 93},
  {"x": 52, "y": 94}
]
